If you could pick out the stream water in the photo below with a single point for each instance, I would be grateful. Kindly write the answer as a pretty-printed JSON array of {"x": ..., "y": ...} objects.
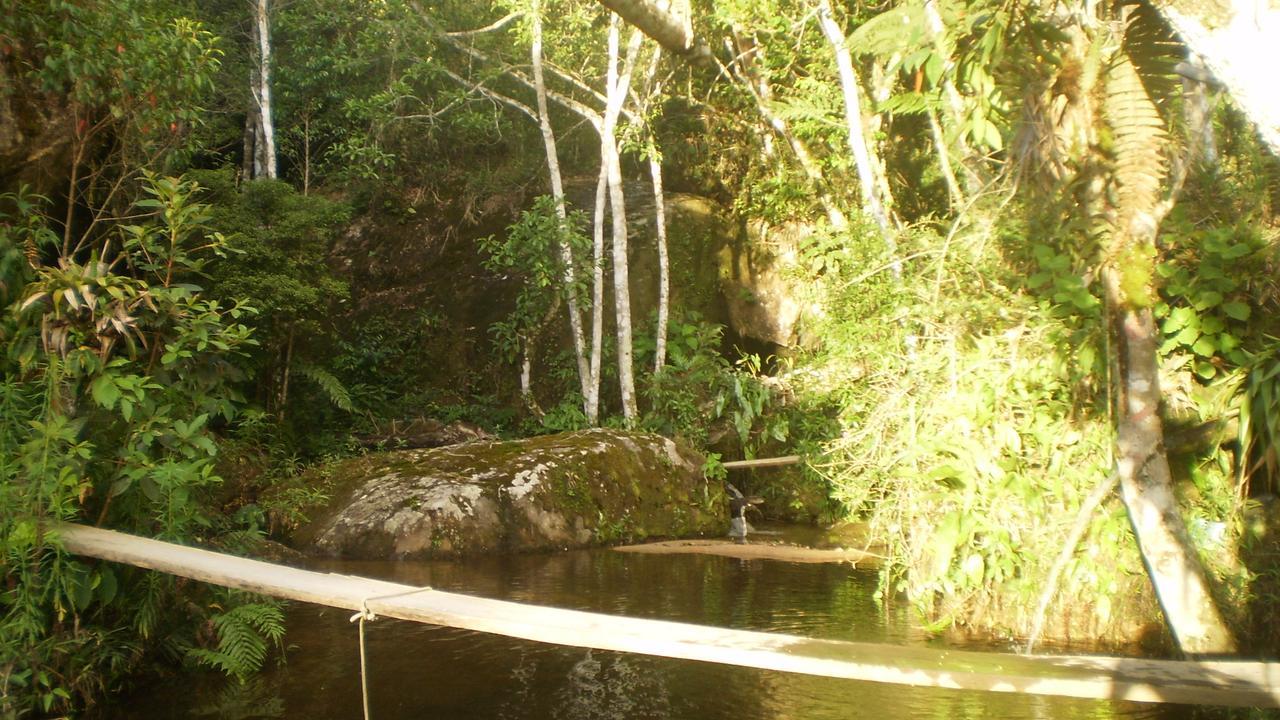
[{"x": 424, "y": 672}]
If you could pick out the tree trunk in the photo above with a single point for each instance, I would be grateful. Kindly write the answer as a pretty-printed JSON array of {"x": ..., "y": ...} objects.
[
  {"x": 664, "y": 272},
  {"x": 597, "y": 296},
  {"x": 284, "y": 376},
  {"x": 954, "y": 104},
  {"x": 1147, "y": 489},
  {"x": 1138, "y": 198},
  {"x": 262, "y": 91},
  {"x": 944, "y": 163},
  {"x": 306, "y": 154},
  {"x": 882, "y": 82},
  {"x": 250, "y": 134},
  {"x": 669, "y": 29},
  {"x": 526, "y": 376},
  {"x": 652, "y": 91},
  {"x": 618, "y": 86},
  {"x": 557, "y": 193},
  {"x": 871, "y": 200},
  {"x": 761, "y": 92}
]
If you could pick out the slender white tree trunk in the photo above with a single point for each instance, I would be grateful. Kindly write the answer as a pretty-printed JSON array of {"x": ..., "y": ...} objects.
[
  {"x": 664, "y": 270},
  {"x": 306, "y": 153},
  {"x": 557, "y": 193},
  {"x": 653, "y": 91},
  {"x": 526, "y": 375},
  {"x": 944, "y": 162},
  {"x": 618, "y": 86},
  {"x": 954, "y": 104},
  {"x": 862, "y": 160},
  {"x": 882, "y": 82},
  {"x": 597, "y": 296},
  {"x": 262, "y": 91},
  {"x": 753, "y": 78}
]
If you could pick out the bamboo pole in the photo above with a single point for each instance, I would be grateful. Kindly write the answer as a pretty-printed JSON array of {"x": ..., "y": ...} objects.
[
  {"x": 1202, "y": 683},
  {"x": 762, "y": 462}
]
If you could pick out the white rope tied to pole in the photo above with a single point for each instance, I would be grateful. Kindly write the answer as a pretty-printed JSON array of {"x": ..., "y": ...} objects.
[{"x": 361, "y": 616}]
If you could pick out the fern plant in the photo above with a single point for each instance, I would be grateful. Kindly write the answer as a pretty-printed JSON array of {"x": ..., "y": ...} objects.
[
  {"x": 1139, "y": 150},
  {"x": 329, "y": 383},
  {"x": 245, "y": 634}
]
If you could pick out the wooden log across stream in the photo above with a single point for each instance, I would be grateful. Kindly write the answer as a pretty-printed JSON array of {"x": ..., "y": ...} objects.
[{"x": 1234, "y": 683}]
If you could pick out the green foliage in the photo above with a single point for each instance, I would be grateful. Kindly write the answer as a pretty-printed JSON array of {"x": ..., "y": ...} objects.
[
  {"x": 108, "y": 89},
  {"x": 1061, "y": 280},
  {"x": 379, "y": 360},
  {"x": 699, "y": 395},
  {"x": 968, "y": 413},
  {"x": 971, "y": 53},
  {"x": 279, "y": 242},
  {"x": 132, "y": 61},
  {"x": 532, "y": 252},
  {"x": 1206, "y": 301},
  {"x": 115, "y": 368},
  {"x": 1259, "y": 433},
  {"x": 245, "y": 633}
]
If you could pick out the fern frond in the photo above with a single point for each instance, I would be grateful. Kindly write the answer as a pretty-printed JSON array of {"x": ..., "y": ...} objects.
[
  {"x": 1139, "y": 142},
  {"x": 332, "y": 386},
  {"x": 1154, "y": 51},
  {"x": 245, "y": 633}
]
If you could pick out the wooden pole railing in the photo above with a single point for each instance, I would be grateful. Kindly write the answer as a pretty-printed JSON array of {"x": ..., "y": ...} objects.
[{"x": 1204, "y": 683}]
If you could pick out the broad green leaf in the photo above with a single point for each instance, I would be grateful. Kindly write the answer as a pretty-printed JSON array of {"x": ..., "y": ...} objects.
[
  {"x": 1205, "y": 369},
  {"x": 1205, "y": 346},
  {"x": 1207, "y": 299},
  {"x": 105, "y": 392},
  {"x": 1237, "y": 310}
]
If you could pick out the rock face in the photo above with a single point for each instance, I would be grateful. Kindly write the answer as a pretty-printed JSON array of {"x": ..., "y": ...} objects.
[
  {"x": 423, "y": 433},
  {"x": 759, "y": 284},
  {"x": 35, "y": 131},
  {"x": 568, "y": 490}
]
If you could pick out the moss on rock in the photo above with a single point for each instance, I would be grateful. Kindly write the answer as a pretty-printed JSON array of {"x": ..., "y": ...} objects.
[{"x": 558, "y": 491}]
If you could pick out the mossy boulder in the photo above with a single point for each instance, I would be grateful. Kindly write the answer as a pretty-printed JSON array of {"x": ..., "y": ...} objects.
[{"x": 557, "y": 491}]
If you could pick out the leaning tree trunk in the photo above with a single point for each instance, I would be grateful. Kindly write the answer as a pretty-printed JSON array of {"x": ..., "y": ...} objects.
[
  {"x": 1135, "y": 210},
  {"x": 871, "y": 201},
  {"x": 557, "y": 193},
  {"x": 669, "y": 26},
  {"x": 1147, "y": 489}
]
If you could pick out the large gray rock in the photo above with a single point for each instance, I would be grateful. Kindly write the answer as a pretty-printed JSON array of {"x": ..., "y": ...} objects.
[
  {"x": 761, "y": 285},
  {"x": 558, "y": 491}
]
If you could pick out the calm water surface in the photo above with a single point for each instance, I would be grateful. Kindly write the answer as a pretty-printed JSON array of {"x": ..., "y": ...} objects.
[{"x": 422, "y": 672}]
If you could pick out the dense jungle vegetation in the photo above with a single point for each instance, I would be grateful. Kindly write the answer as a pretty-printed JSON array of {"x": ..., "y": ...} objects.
[{"x": 1021, "y": 262}]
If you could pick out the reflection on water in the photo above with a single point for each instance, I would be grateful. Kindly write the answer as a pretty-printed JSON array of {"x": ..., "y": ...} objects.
[{"x": 418, "y": 671}]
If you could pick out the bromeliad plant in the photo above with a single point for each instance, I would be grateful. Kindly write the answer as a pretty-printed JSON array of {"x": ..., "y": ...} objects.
[{"x": 115, "y": 368}]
